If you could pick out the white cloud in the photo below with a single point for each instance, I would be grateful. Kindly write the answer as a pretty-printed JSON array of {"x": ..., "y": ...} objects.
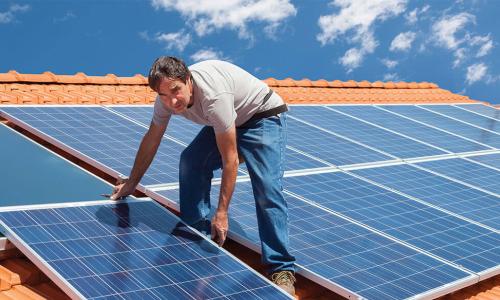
[
  {"x": 446, "y": 29},
  {"x": 174, "y": 40},
  {"x": 208, "y": 15},
  {"x": 390, "y": 64},
  {"x": 391, "y": 77},
  {"x": 476, "y": 72},
  {"x": 209, "y": 53},
  {"x": 403, "y": 41},
  {"x": 412, "y": 16},
  {"x": 484, "y": 43},
  {"x": 10, "y": 15},
  {"x": 460, "y": 55},
  {"x": 356, "y": 18}
]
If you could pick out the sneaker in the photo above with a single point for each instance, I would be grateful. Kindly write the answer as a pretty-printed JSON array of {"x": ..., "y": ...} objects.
[{"x": 285, "y": 280}]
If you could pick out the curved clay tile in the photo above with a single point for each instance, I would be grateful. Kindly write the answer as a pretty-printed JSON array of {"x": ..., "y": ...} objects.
[
  {"x": 401, "y": 85},
  {"x": 389, "y": 85},
  {"x": 378, "y": 84},
  {"x": 320, "y": 83},
  {"x": 271, "y": 81},
  {"x": 424, "y": 85},
  {"x": 303, "y": 83},
  {"x": 287, "y": 82},
  {"x": 364, "y": 84},
  {"x": 349, "y": 84},
  {"x": 336, "y": 83}
]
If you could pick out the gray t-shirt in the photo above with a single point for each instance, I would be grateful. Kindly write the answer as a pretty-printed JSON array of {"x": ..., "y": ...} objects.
[{"x": 223, "y": 94}]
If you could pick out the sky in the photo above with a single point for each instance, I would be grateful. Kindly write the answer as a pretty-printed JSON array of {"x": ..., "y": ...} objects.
[{"x": 454, "y": 44}]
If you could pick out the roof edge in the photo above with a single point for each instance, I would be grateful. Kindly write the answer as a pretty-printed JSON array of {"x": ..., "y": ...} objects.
[{"x": 138, "y": 79}]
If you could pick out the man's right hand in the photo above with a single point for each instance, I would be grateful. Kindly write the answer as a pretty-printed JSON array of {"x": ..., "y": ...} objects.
[{"x": 123, "y": 188}]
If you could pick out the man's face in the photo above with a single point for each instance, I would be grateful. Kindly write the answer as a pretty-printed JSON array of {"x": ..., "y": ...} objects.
[{"x": 175, "y": 94}]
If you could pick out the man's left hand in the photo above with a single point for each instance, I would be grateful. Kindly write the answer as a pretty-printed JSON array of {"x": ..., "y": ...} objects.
[{"x": 220, "y": 227}]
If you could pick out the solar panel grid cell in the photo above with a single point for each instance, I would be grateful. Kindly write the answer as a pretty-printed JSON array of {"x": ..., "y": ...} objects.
[
  {"x": 468, "y": 172},
  {"x": 452, "y": 196},
  {"x": 492, "y": 160},
  {"x": 412, "y": 129},
  {"x": 329, "y": 147},
  {"x": 465, "y": 116},
  {"x": 459, "y": 128},
  {"x": 377, "y": 138},
  {"x": 481, "y": 109},
  {"x": 129, "y": 249}
]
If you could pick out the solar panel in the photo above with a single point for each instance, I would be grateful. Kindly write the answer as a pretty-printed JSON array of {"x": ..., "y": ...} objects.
[
  {"x": 34, "y": 175},
  {"x": 479, "y": 135},
  {"x": 99, "y": 135},
  {"x": 465, "y": 116},
  {"x": 435, "y": 137},
  {"x": 130, "y": 250},
  {"x": 466, "y": 171},
  {"x": 178, "y": 127},
  {"x": 372, "y": 136},
  {"x": 481, "y": 109},
  {"x": 444, "y": 193},
  {"x": 420, "y": 225},
  {"x": 328, "y": 147},
  {"x": 342, "y": 255},
  {"x": 492, "y": 160}
]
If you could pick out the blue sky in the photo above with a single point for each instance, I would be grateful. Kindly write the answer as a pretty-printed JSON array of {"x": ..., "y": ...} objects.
[{"x": 451, "y": 43}]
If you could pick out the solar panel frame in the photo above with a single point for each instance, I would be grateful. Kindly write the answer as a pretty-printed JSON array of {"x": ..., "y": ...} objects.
[{"x": 68, "y": 285}]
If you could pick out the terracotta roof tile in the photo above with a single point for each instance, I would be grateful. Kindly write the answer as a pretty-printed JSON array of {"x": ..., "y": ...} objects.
[{"x": 50, "y": 88}]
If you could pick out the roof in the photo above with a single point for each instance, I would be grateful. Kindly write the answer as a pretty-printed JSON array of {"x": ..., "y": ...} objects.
[{"x": 49, "y": 88}]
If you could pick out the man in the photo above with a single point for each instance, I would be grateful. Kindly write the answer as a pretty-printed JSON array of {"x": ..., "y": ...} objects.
[{"x": 241, "y": 115}]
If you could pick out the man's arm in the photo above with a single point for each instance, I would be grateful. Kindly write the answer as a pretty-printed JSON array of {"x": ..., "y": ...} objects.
[
  {"x": 147, "y": 150},
  {"x": 226, "y": 143}
]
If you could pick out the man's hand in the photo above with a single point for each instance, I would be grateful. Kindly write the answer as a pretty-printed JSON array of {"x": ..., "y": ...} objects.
[
  {"x": 220, "y": 226},
  {"x": 123, "y": 188}
]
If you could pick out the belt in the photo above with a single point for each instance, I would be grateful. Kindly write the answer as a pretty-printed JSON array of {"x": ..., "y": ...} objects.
[{"x": 267, "y": 113}]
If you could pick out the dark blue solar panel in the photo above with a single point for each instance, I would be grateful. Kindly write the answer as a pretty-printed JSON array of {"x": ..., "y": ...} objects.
[
  {"x": 453, "y": 126},
  {"x": 466, "y": 116},
  {"x": 412, "y": 129},
  {"x": 342, "y": 252},
  {"x": 492, "y": 160},
  {"x": 361, "y": 132},
  {"x": 467, "y": 171},
  {"x": 51, "y": 179},
  {"x": 484, "y": 110},
  {"x": 134, "y": 249},
  {"x": 329, "y": 147},
  {"x": 427, "y": 228},
  {"x": 103, "y": 136},
  {"x": 438, "y": 191}
]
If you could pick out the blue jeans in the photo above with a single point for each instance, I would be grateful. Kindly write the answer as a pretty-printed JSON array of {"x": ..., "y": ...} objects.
[{"x": 262, "y": 145}]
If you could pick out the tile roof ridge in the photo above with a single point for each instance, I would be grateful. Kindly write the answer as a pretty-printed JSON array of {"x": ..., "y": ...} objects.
[
  {"x": 13, "y": 76},
  {"x": 322, "y": 83}
]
